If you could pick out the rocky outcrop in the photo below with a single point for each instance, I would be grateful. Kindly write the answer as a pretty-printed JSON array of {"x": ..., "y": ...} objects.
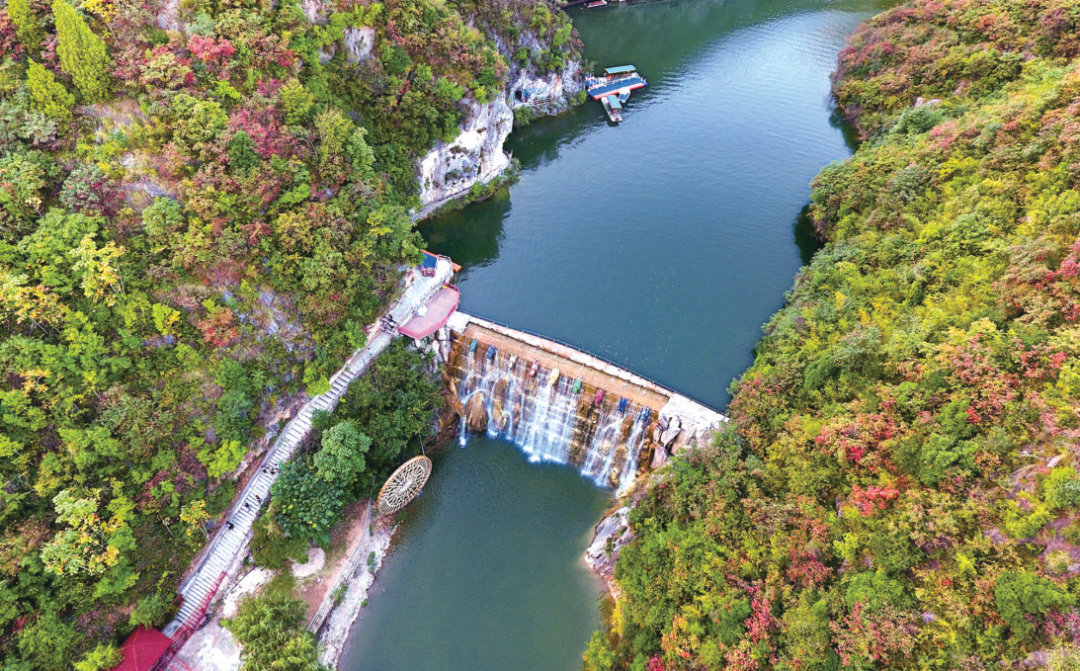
[
  {"x": 546, "y": 95},
  {"x": 611, "y": 535},
  {"x": 359, "y": 43},
  {"x": 476, "y": 416},
  {"x": 475, "y": 156},
  {"x": 660, "y": 458}
]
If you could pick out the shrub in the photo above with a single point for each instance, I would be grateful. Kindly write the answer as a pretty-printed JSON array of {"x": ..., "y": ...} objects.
[
  {"x": 27, "y": 26},
  {"x": 82, "y": 53},
  {"x": 50, "y": 97},
  {"x": 1019, "y": 594},
  {"x": 1062, "y": 489}
]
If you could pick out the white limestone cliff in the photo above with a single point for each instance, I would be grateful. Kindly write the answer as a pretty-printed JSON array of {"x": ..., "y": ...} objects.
[{"x": 475, "y": 156}]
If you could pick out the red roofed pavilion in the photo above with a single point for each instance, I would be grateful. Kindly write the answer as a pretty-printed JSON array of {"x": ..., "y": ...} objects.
[
  {"x": 434, "y": 315},
  {"x": 143, "y": 649}
]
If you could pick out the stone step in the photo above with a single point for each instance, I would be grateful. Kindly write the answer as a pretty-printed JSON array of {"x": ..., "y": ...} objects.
[{"x": 229, "y": 544}]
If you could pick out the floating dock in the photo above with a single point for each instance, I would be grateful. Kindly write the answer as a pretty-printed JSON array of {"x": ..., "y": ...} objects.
[{"x": 614, "y": 87}]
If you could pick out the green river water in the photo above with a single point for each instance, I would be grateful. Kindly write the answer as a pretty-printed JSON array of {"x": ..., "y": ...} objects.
[{"x": 662, "y": 244}]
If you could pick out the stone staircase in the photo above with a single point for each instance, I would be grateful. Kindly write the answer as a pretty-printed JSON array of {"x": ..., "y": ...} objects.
[{"x": 225, "y": 552}]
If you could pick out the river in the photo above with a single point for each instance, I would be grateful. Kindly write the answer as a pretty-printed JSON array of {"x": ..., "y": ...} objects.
[{"x": 662, "y": 244}]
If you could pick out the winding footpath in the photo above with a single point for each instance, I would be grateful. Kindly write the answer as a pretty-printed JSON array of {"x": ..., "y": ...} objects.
[{"x": 224, "y": 554}]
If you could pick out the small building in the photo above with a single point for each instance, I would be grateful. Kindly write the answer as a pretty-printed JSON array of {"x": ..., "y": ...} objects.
[
  {"x": 143, "y": 649},
  {"x": 433, "y": 315}
]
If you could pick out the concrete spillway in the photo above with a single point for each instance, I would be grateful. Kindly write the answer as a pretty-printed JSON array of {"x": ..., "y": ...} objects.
[{"x": 543, "y": 396}]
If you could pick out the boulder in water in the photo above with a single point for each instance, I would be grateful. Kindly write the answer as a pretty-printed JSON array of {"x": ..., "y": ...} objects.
[{"x": 476, "y": 416}]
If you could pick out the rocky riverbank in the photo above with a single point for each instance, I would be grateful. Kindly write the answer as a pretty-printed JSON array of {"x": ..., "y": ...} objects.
[{"x": 335, "y": 632}]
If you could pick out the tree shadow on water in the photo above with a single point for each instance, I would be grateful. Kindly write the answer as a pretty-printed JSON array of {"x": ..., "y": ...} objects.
[
  {"x": 470, "y": 236},
  {"x": 846, "y": 128},
  {"x": 806, "y": 238}
]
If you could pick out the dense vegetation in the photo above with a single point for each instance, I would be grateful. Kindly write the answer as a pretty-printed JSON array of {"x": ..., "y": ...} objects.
[
  {"x": 899, "y": 488},
  {"x": 270, "y": 627},
  {"x": 379, "y": 422},
  {"x": 201, "y": 205}
]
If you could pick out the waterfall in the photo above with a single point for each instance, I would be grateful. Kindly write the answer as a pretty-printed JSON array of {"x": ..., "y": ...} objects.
[{"x": 552, "y": 415}]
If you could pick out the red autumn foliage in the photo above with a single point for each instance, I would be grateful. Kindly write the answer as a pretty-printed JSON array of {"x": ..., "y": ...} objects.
[
  {"x": 219, "y": 328},
  {"x": 872, "y": 498}
]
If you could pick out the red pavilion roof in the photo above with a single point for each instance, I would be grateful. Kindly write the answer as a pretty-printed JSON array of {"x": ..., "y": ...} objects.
[
  {"x": 143, "y": 649},
  {"x": 436, "y": 313}
]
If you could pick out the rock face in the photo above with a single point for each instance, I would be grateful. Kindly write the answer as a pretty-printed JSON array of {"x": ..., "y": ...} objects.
[
  {"x": 611, "y": 535},
  {"x": 668, "y": 436},
  {"x": 450, "y": 170},
  {"x": 475, "y": 156},
  {"x": 476, "y": 413},
  {"x": 549, "y": 94},
  {"x": 659, "y": 458},
  {"x": 359, "y": 43}
]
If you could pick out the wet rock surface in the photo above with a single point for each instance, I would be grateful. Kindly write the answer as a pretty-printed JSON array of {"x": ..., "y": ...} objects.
[{"x": 610, "y": 536}]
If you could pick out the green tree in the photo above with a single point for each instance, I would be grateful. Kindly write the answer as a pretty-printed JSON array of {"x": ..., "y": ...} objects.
[
  {"x": 1018, "y": 594},
  {"x": 242, "y": 156},
  {"x": 100, "y": 274},
  {"x": 305, "y": 505},
  {"x": 149, "y": 610},
  {"x": 598, "y": 655},
  {"x": 84, "y": 547},
  {"x": 392, "y": 405},
  {"x": 341, "y": 457},
  {"x": 103, "y": 656},
  {"x": 82, "y": 53},
  {"x": 26, "y": 24},
  {"x": 271, "y": 548},
  {"x": 296, "y": 101},
  {"x": 269, "y": 628},
  {"x": 1063, "y": 488},
  {"x": 47, "y": 643},
  {"x": 195, "y": 516},
  {"x": 223, "y": 457},
  {"x": 49, "y": 96}
]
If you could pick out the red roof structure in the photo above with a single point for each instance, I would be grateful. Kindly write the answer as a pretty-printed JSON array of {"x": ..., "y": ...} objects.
[
  {"x": 436, "y": 313},
  {"x": 143, "y": 649}
]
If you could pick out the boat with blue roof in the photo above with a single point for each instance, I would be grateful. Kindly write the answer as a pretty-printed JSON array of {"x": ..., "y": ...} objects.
[{"x": 613, "y": 88}]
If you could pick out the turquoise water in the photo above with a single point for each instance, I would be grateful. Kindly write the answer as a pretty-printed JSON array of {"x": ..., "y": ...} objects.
[
  {"x": 487, "y": 572},
  {"x": 662, "y": 244}
]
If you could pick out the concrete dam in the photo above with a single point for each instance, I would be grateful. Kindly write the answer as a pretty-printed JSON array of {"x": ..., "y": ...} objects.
[{"x": 561, "y": 404}]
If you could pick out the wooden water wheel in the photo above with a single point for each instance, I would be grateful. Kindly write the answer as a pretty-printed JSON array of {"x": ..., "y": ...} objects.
[{"x": 403, "y": 486}]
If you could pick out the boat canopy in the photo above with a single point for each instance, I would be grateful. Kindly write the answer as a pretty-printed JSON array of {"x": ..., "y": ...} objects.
[
  {"x": 614, "y": 102},
  {"x": 620, "y": 70}
]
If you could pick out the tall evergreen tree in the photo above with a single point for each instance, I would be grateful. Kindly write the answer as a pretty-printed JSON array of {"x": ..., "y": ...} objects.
[
  {"x": 49, "y": 95},
  {"x": 26, "y": 24},
  {"x": 82, "y": 53}
]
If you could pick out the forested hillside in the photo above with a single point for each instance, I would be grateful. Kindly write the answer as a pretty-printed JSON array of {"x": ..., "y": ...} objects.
[
  {"x": 201, "y": 205},
  {"x": 900, "y": 487}
]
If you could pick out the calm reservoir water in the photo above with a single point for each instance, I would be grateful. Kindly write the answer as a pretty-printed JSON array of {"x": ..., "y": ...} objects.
[
  {"x": 662, "y": 244},
  {"x": 487, "y": 574}
]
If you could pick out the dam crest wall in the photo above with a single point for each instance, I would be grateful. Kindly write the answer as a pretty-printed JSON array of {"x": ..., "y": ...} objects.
[{"x": 561, "y": 404}]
